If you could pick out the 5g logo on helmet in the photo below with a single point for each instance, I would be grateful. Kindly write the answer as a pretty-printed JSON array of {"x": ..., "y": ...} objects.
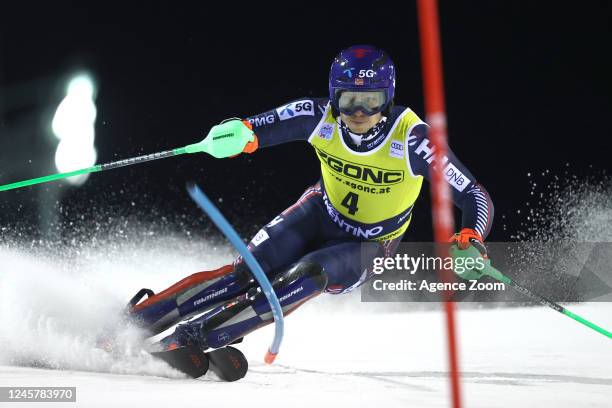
[{"x": 366, "y": 73}]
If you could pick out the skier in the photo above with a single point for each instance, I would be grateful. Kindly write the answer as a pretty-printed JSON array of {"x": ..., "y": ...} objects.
[{"x": 374, "y": 156}]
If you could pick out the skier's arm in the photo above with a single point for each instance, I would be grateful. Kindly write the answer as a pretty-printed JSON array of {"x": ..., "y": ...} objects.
[
  {"x": 468, "y": 195},
  {"x": 295, "y": 120}
]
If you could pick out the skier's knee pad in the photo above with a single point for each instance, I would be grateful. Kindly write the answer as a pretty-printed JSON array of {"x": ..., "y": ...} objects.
[
  {"x": 307, "y": 271},
  {"x": 303, "y": 281}
]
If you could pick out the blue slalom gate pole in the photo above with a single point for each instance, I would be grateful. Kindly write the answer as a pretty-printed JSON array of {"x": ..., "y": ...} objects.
[{"x": 277, "y": 313}]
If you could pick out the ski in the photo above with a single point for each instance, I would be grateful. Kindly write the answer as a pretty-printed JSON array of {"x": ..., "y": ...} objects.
[
  {"x": 228, "y": 363},
  {"x": 190, "y": 360}
]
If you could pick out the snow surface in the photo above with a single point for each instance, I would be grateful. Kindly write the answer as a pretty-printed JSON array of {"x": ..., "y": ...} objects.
[{"x": 337, "y": 351}]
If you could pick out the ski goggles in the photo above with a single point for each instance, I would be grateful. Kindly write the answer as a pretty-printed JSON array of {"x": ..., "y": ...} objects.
[{"x": 369, "y": 102}]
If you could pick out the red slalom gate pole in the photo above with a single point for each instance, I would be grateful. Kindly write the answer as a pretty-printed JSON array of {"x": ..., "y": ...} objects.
[{"x": 435, "y": 110}]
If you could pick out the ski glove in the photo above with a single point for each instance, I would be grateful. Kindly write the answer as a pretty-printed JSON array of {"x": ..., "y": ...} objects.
[
  {"x": 469, "y": 254},
  {"x": 230, "y": 138},
  {"x": 468, "y": 237}
]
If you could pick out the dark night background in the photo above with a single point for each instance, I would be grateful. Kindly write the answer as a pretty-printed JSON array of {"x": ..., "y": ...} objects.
[{"x": 528, "y": 88}]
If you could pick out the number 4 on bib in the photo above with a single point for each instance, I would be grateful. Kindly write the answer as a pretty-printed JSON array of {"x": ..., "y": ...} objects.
[{"x": 350, "y": 202}]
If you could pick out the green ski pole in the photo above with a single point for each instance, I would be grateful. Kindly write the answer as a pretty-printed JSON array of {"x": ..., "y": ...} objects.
[
  {"x": 94, "y": 169},
  {"x": 227, "y": 139},
  {"x": 489, "y": 270}
]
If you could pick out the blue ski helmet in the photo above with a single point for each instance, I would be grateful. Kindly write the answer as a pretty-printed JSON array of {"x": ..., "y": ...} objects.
[{"x": 362, "y": 68}]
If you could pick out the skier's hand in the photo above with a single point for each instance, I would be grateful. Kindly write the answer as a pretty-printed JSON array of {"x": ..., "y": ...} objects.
[
  {"x": 230, "y": 138},
  {"x": 469, "y": 254},
  {"x": 468, "y": 237}
]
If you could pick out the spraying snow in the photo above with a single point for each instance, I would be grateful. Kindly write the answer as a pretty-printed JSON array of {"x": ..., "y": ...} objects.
[
  {"x": 54, "y": 304},
  {"x": 568, "y": 208}
]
